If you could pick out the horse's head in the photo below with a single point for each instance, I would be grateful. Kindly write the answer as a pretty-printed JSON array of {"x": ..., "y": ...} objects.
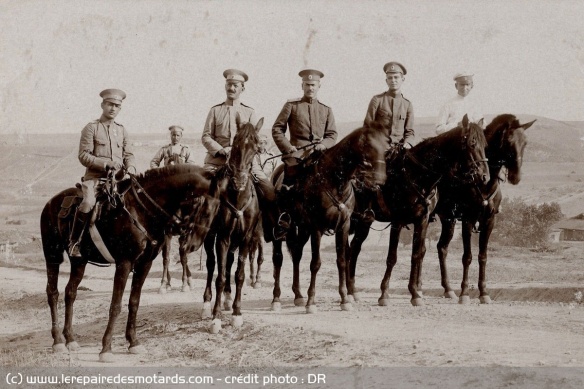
[
  {"x": 198, "y": 215},
  {"x": 371, "y": 147},
  {"x": 473, "y": 146},
  {"x": 245, "y": 147},
  {"x": 507, "y": 141}
]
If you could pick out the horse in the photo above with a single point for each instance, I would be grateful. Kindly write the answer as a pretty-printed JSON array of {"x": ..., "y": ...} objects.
[
  {"x": 474, "y": 203},
  {"x": 408, "y": 197},
  {"x": 234, "y": 225},
  {"x": 325, "y": 205},
  {"x": 132, "y": 228},
  {"x": 255, "y": 262}
]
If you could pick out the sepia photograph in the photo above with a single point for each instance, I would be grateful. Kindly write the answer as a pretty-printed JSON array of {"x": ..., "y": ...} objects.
[{"x": 291, "y": 194}]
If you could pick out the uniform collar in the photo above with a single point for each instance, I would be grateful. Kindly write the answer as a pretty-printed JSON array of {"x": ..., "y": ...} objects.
[
  {"x": 393, "y": 94},
  {"x": 308, "y": 100},
  {"x": 233, "y": 103}
]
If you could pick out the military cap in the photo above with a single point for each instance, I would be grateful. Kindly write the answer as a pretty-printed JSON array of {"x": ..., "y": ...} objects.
[
  {"x": 310, "y": 75},
  {"x": 394, "y": 67},
  {"x": 463, "y": 77},
  {"x": 235, "y": 75},
  {"x": 177, "y": 128},
  {"x": 113, "y": 95}
]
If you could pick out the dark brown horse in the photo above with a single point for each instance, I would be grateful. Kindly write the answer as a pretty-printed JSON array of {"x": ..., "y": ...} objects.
[
  {"x": 408, "y": 196},
  {"x": 324, "y": 204},
  {"x": 472, "y": 202},
  {"x": 235, "y": 224},
  {"x": 133, "y": 230}
]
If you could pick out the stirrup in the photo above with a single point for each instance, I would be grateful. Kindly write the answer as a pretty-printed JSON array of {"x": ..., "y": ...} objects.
[
  {"x": 279, "y": 233},
  {"x": 285, "y": 220},
  {"x": 368, "y": 216}
]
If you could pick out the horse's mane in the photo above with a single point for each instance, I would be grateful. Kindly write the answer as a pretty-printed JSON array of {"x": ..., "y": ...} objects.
[
  {"x": 456, "y": 133},
  {"x": 169, "y": 171},
  {"x": 500, "y": 120}
]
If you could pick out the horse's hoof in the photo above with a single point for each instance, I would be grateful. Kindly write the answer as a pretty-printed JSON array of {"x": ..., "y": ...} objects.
[
  {"x": 227, "y": 305},
  {"x": 73, "y": 346},
  {"x": 383, "y": 302},
  {"x": 162, "y": 290},
  {"x": 311, "y": 309},
  {"x": 421, "y": 294},
  {"x": 464, "y": 300},
  {"x": 450, "y": 295},
  {"x": 106, "y": 357},
  {"x": 417, "y": 302},
  {"x": 276, "y": 306},
  {"x": 215, "y": 326},
  {"x": 350, "y": 298},
  {"x": 257, "y": 285},
  {"x": 237, "y": 321},
  {"x": 347, "y": 307},
  {"x": 139, "y": 349},
  {"x": 357, "y": 297},
  {"x": 60, "y": 348},
  {"x": 486, "y": 299},
  {"x": 168, "y": 288},
  {"x": 299, "y": 302},
  {"x": 206, "y": 311},
  {"x": 185, "y": 288}
]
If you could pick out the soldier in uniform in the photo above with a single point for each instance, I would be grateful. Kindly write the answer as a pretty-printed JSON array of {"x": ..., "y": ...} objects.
[
  {"x": 173, "y": 153},
  {"x": 103, "y": 146},
  {"x": 312, "y": 128},
  {"x": 391, "y": 109},
  {"x": 454, "y": 109},
  {"x": 220, "y": 128}
]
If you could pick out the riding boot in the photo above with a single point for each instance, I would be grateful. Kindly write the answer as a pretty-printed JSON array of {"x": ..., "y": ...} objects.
[
  {"x": 285, "y": 199},
  {"x": 79, "y": 223}
]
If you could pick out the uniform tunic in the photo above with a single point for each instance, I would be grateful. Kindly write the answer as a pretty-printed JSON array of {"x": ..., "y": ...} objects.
[
  {"x": 309, "y": 121},
  {"x": 220, "y": 128},
  {"x": 395, "y": 114},
  {"x": 165, "y": 154},
  {"x": 98, "y": 145},
  {"x": 454, "y": 110}
]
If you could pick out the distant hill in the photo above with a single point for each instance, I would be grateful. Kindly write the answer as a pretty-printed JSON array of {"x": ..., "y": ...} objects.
[{"x": 548, "y": 140}]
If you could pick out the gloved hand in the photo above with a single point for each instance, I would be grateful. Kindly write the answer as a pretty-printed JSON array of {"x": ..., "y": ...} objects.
[
  {"x": 407, "y": 146},
  {"x": 291, "y": 150},
  {"x": 319, "y": 147},
  {"x": 112, "y": 165},
  {"x": 224, "y": 152}
]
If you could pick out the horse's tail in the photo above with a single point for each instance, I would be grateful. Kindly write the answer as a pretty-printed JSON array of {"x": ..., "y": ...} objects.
[{"x": 52, "y": 241}]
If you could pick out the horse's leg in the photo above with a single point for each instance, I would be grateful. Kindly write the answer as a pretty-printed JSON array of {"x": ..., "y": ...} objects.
[
  {"x": 252, "y": 267},
  {"x": 445, "y": 238},
  {"x": 296, "y": 247},
  {"x": 53, "y": 300},
  {"x": 222, "y": 248},
  {"x": 361, "y": 233},
  {"x": 260, "y": 261},
  {"x": 165, "y": 282},
  {"x": 390, "y": 263},
  {"x": 464, "y": 298},
  {"x": 120, "y": 278},
  {"x": 315, "y": 263},
  {"x": 342, "y": 243},
  {"x": 187, "y": 280},
  {"x": 486, "y": 227},
  {"x": 418, "y": 252},
  {"x": 209, "y": 244},
  {"x": 227, "y": 289},
  {"x": 140, "y": 273},
  {"x": 236, "y": 317},
  {"x": 277, "y": 259},
  {"x": 77, "y": 271}
]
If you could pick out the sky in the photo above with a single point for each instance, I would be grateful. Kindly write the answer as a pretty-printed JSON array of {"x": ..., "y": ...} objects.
[{"x": 169, "y": 56}]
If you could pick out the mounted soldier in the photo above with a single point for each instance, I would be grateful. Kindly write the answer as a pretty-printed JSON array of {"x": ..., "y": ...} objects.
[
  {"x": 312, "y": 128},
  {"x": 173, "y": 153},
  {"x": 103, "y": 147},
  {"x": 218, "y": 134}
]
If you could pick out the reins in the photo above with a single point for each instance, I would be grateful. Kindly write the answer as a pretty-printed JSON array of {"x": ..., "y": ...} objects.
[{"x": 282, "y": 154}]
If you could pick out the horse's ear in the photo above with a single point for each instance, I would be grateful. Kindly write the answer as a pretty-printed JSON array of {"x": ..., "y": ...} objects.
[
  {"x": 527, "y": 125},
  {"x": 259, "y": 125},
  {"x": 481, "y": 123},
  {"x": 465, "y": 121},
  {"x": 237, "y": 119}
]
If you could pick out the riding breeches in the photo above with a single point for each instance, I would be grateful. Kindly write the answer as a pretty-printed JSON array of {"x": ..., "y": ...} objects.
[{"x": 88, "y": 187}]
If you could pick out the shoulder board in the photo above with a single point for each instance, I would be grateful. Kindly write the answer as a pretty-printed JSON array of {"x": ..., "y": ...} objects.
[
  {"x": 321, "y": 103},
  {"x": 116, "y": 123},
  {"x": 294, "y": 100},
  {"x": 216, "y": 105},
  {"x": 406, "y": 99},
  {"x": 94, "y": 121},
  {"x": 185, "y": 146},
  {"x": 247, "y": 106}
]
